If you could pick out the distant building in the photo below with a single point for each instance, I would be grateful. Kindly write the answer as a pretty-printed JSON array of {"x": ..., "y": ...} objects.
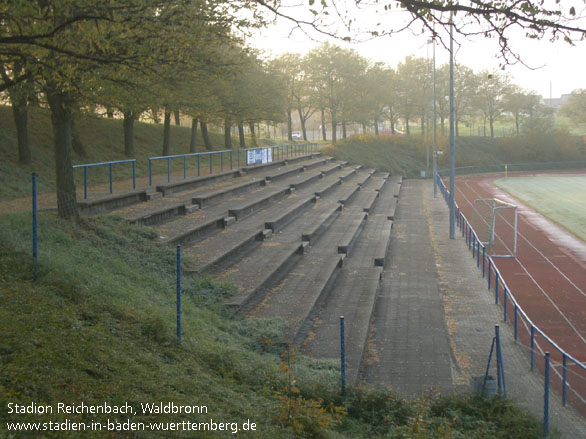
[{"x": 555, "y": 103}]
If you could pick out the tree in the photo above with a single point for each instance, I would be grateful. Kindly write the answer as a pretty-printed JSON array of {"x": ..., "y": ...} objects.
[
  {"x": 492, "y": 90},
  {"x": 575, "y": 109},
  {"x": 73, "y": 48},
  {"x": 498, "y": 20},
  {"x": 520, "y": 104}
]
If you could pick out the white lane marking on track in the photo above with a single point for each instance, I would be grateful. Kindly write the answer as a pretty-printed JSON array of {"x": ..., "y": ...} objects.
[{"x": 531, "y": 277}]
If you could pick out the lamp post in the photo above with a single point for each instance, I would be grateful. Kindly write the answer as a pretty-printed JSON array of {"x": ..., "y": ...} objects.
[{"x": 452, "y": 148}]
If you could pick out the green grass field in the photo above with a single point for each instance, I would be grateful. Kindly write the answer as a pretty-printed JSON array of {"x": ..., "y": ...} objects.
[{"x": 561, "y": 198}]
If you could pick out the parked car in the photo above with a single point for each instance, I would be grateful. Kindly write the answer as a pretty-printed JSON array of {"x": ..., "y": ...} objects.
[{"x": 296, "y": 134}]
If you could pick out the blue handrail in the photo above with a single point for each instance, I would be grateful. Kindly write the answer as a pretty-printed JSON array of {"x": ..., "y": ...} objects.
[
  {"x": 93, "y": 165},
  {"x": 465, "y": 225},
  {"x": 184, "y": 157}
]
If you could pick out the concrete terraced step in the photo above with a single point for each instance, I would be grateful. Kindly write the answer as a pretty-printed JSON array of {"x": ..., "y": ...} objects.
[
  {"x": 199, "y": 192},
  {"x": 263, "y": 268},
  {"x": 355, "y": 291},
  {"x": 353, "y": 296},
  {"x": 298, "y": 296},
  {"x": 214, "y": 253}
]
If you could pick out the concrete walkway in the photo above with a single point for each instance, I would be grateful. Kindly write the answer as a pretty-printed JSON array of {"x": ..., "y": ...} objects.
[
  {"x": 413, "y": 348},
  {"x": 471, "y": 315},
  {"x": 409, "y": 349}
]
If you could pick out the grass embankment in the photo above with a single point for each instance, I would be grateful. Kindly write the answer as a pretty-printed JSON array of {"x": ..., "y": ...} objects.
[
  {"x": 406, "y": 155},
  {"x": 103, "y": 140},
  {"x": 99, "y": 326},
  {"x": 561, "y": 198}
]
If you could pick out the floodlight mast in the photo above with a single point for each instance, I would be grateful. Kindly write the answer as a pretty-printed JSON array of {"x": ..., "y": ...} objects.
[{"x": 434, "y": 155}]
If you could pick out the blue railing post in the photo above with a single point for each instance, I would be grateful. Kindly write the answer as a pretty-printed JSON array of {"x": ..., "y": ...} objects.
[
  {"x": 238, "y": 158},
  {"x": 342, "y": 357},
  {"x": 489, "y": 270},
  {"x": 184, "y": 167},
  {"x": 473, "y": 246},
  {"x": 150, "y": 172},
  {"x": 496, "y": 288},
  {"x": 505, "y": 301},
  {"x": 532, "y": 345},
  {"x": 221, "y": 161},
  {"x": 483, "y": 261},
  {"x": 230, "y": 160},
  {"x": 85, "y": 183},
  {"x": 110, "y": 178},
  {"x": 211, "y": 164},
  {"x": 516, "y": 322},
  {"x": 168, "y": 170},
  {"x": 35, "y": 238},
  {"x": 179, "y": 292},
  {"x": 198, "y": 162},
  {"x": 134, "y": 174},
  {"x": 546, "y": 398},
  {"x": 564, "y": 378}
]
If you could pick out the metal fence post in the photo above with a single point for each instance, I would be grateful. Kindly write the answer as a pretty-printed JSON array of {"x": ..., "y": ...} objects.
[
  {"x": 483, "y": 261},
  {"x": 150, "y": 173},
  {"x": 532, "y": 344},
  {"x": 546, "y": 398},
  {"x": 489, "y": 270},
  {"x": 110, "y": 178},
  {"x": 179, "y": 292},
  {"x": 564, "y": 378},
  {"x": 211, "y": 164},
  {"x": 230, "y": 160},
  {"x": 516, "y": 318},
  {"x": 134, "y": 174},
  {"x": 505, "y": 301},
  {"x": 496, "y": 288},
  {"x": 184, "y": 167},
  {"x": 221, "y": 161},
  {"x": 342, "y": 356},
  {"x": 35, "y": 238},
  {"x": 198, "y": 162},
  {"x": 168, "y": 170},
  {"x": 84, "y": 182}
]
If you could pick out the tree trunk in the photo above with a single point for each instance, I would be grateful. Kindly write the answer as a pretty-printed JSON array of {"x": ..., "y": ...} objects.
[
  {"x": 60, "y": 105},
  {"x": 392, "y": 119},
  {"x": 442, "y": 124},
  {"x": 289, "y": 125},
  {"x": 155, "y": 115},
  {"x": 205, "y": 135},
  {"x": 323, "y": 124},
  {"x": 491, "y": 123},
  {"x": 177, "y": 117},
  {"x": 334, "y": 127},
  {"x": 20, "y": 113},
  {"x": 408, "y": 131},
  {"x": 109, "y": 113},
  {"x": 517, "y": 123},
  {"x": 128, "y": 123},
  {"x": 302, "y": 119},
  {"x": 227, "y": 133},
  {"x": 167, "y": 134},
  {"x": 241, "y": 135},
  {"x": 376, "y": 127},
  {"x": 253, "y": 135},
  {"x": 76, "y": 142},
  {"x": 344, "y": 133},
  {"x": 423, "y": 125},
  {"x": 193, "y": 141}
]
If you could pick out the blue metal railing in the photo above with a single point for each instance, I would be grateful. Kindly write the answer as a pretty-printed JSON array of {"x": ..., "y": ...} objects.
[
  {"x": 472, "y": 240},
  {"x": 93, "y": 165},
  {"x": 198, "y": 155}
]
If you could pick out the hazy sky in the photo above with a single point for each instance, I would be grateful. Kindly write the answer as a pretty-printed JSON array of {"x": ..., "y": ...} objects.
[{"x": 558, "y": 63}]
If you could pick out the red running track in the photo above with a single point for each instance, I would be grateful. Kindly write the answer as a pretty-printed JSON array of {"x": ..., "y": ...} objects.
[{"x": 547, "y": 278}]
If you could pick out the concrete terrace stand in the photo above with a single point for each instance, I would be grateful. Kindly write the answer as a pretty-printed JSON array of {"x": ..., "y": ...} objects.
[{"x": 312, "y": 239}]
